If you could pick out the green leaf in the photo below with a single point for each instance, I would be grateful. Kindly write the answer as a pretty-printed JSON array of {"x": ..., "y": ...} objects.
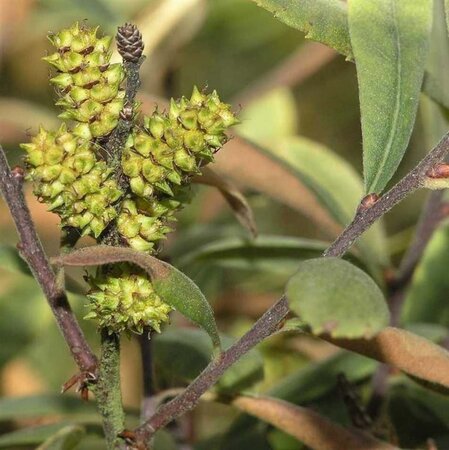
[
  {"x": 390, "y": 40},
  {"x": 66, "y": 438},
  {"x": 173, "y": 286},
  {"x": 322, "y": 20},
  {"x": 436, "y": 82},
  {"x": 263, "y": 253},
  {"x": 334, "y": 182},
  {"x": 181, "y": 354},
  {"x": 427, "y": 298},
  {"x": 334, "y": 297}
]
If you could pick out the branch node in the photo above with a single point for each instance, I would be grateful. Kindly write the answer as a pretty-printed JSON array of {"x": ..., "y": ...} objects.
[
  {"x": 440, "y": 170},
  {"x": 367, "y": 202}
]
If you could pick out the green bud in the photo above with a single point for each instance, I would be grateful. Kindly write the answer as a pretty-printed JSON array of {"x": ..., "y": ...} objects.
[{"x": 122, "y": 299}]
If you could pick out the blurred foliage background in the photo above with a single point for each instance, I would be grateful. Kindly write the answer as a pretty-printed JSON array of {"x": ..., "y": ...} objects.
[{"x": 234, "y": 47}]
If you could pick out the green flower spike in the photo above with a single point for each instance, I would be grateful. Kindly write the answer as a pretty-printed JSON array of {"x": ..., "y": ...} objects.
[
  {"x": 69, "y": 179},
  {"x": 123, "y": 299},
  {"x": 89, "y": 86},
  {"x": 172, "y": 147}
]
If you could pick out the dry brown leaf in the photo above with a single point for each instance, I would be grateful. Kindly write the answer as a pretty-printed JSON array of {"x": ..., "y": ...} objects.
[
  {"x": 406, "y": 351},
  {"x": 307, "y": 426}
]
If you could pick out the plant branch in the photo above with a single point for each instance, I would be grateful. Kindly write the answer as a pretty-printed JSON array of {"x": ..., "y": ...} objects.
[
  {"x": 30, "y": 247},
  {"x": 185, "y": 401},
  {"x": 366, "y": 216},
  {"x": 108, "y": 391}
]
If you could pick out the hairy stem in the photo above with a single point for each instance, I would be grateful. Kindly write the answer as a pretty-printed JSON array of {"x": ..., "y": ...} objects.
[
  {"x": 108, "y": 390},
  {"x": 11, "y": 184},
  {"x": 185, "y": 401}
]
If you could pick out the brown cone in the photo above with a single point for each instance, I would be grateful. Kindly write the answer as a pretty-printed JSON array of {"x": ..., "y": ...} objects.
[{"x": 129, "y": 42}]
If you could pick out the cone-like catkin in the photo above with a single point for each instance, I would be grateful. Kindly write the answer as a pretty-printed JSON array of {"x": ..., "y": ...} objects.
[
  {"x": 88, "y": 84},
  {"x": 70, "y": 180},
  {"x": 122, "y": 298},
  {"x": 172, "y": 147}
]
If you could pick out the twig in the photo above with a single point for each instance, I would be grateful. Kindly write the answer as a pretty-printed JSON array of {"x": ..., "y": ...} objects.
[
  {"x": 11, "y": 183},
  {"x": 146, "y": 350},
  {"x": 185, "y": 401},
  {"x": 365, "y": 217},
  {"x": 303, "y": 63},
  {"x": 108, "y": 391}
]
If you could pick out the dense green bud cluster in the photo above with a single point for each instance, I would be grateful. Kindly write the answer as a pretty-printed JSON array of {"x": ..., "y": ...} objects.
[
  {"x": 68, "y": 177},
  {"x": 88, "y": 84},
  {"x": 123, "y": 299},
  {"x": 161, "y": 158},
  {"x": 172, "y": 147}
]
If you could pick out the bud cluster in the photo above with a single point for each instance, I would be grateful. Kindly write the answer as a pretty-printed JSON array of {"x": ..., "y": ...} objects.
[
  {"x": 123, "y": 300},
  {"x": 71, "y": 175},
  {"x": 160, "y": 158},
  {"x": 69, "y": 178}
]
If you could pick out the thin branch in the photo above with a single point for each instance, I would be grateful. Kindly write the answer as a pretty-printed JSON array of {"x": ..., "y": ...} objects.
[
  {"x": 108, "y": 391},
  {"x": 296, "y": 68},
  {"x": 365, "y": 217},
  {"x": 11, "y": 183},
  {"x": 263, "y": 328}
]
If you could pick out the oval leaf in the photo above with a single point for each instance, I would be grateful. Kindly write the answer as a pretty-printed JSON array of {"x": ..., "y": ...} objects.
[
  {"x": 390, "y": 40},
  {"x": 170, "y": 284},
  {"x": 334, "y": 297}
]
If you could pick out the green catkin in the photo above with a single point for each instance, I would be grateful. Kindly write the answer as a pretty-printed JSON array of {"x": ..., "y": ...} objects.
[
  {"x": 70, "y": 175},
  {"x": 122, "y": 299},
  {"x": 68, "y": 178},
  {"x": 88, "y": 85}
]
